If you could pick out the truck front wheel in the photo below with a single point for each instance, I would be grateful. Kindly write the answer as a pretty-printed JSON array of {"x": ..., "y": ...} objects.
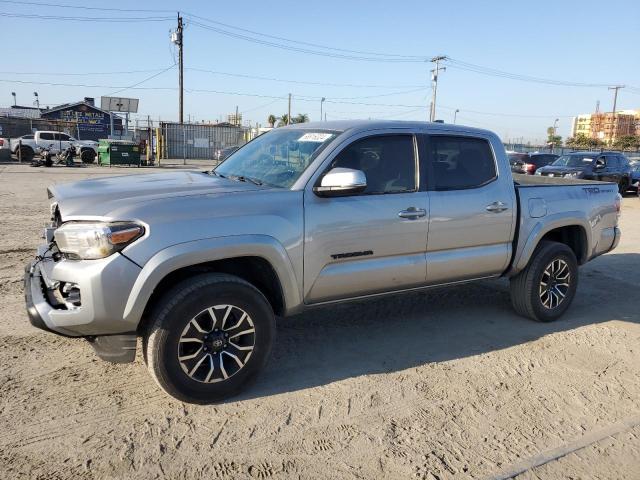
[
  {"x": 208, "y": 338},
  {"x": 25, "y": 154},
  {"x": 544, "y": 290}
]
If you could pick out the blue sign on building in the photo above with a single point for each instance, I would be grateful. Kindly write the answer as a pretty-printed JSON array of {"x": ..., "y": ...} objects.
[{"x": 93, "y": 123}]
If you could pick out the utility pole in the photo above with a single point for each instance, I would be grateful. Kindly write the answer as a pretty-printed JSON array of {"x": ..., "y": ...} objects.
[
  {"x": 237, "y": 118},
  {"x": 434, "y": 84},
  {"x": 289, "y": 111},
  {"x": 615, "y": 96},
  {"x": 321, "y": 102},
  {"x": 178, "y": 39}
]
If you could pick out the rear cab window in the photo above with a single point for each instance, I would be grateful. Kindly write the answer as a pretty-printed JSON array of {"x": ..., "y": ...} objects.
[{"x": 457, "y": 162}]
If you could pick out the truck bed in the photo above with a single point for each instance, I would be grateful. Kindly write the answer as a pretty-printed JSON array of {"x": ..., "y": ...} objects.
[
  {"x": 540, "y": 181},
  {"x": 589, "y": 204}
]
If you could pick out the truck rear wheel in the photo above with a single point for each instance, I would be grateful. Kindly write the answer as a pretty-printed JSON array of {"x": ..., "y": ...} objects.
[
  {"x": 544, "y": 290},
  {"x": 88, "y": 156},
  {"x": 209, "y": 336}
]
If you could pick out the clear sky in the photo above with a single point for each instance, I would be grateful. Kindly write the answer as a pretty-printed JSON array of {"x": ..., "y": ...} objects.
[{"x": 572, "y": 41}]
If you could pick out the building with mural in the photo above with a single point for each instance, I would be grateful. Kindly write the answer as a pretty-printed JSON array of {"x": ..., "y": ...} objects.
[{"x": 92, "y": 123}]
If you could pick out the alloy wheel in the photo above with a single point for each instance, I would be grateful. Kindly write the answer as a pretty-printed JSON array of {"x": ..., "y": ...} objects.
[
  {"x": 554, "y": 283},
  {"x": 216, "y": 343}
]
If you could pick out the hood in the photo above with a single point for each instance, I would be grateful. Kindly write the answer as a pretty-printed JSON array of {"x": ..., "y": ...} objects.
[
  {"x": 97, "y": 197},
  {"x": 560, "y": 169}
]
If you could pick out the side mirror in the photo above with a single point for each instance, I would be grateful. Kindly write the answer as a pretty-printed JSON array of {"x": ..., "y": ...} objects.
[
  {"x": 341, "y": 182},
  {"x": 599, "y": 165}
]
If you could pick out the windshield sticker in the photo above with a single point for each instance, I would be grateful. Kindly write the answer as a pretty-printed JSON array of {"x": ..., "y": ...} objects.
[{"x": 314, "y": 137}]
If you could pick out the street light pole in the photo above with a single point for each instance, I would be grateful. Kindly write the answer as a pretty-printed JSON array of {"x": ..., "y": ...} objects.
[
  {"x": 14, "y": 99},
  {"x": 37, "y": 102},
  {"x": 555, "y": 131},
  {"x": 321, "y": 102},
  {"x": 455, "y": 114}
]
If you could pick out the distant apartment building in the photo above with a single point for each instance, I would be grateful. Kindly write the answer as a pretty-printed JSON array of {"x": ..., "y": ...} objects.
[
  {"x": 581, "y": 125},
  {"x": 607, "y": 127}
]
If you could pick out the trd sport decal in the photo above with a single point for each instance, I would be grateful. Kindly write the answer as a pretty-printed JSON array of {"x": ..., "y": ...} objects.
[{"x": 336, "y": 256}]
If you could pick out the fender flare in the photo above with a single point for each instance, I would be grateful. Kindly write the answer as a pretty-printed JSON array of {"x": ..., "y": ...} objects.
[
  {"x": 549, "y": 223},
  {"x": 205, "y": 250}
]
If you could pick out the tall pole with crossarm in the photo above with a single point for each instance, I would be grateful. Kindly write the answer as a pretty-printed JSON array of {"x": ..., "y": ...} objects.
[{"x": 434, "y": 84}]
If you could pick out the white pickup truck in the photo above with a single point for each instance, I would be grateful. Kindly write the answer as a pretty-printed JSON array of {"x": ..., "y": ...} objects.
[{"x": 27, "y": 146}]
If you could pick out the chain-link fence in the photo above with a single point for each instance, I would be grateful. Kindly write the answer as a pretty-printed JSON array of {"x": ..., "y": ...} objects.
[{"x": 198, "y": 141}]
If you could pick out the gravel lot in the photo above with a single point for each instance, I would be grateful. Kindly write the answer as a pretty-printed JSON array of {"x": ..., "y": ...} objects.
[{"x": 439, "y": 384}]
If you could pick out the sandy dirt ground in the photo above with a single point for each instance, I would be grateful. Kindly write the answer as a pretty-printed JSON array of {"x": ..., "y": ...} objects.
[{"x": 445, "y": 383}]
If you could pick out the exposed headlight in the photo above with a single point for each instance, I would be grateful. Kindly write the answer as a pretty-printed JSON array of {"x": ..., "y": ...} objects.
[
  {"x": 538, "y": 172},
  {"x": 89, "y": 241}
]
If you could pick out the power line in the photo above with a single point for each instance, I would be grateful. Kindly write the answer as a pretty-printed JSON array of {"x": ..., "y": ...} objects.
[
  {"x": 470, "y": 67},
  {"x": 349, "y": 54},
  {"x": 420, "y": 58},
  {"x": 142, "y": 81},
  {"x": 300, "y": 49},
  {"x": 279, "y": 97},
  {"x": 124, "y": 72},
  {"x": 86, "y": 19},
  {"x": 299, "y": 82},
  {"x": 84, "y": 7},
  {"x": 82, "y": 85}
]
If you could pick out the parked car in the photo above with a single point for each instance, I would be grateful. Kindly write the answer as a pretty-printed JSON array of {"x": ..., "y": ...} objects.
[
  {"x": 28, "y": 145},
  {"x": 5, "y": 149},
  {"x": 528, "y": 163},
  {"x": 605, "y": 166},
  {"x": 223, "y": 153},
  {"x": 635, "y": 178},
  {"x": 199, "y": 264}
]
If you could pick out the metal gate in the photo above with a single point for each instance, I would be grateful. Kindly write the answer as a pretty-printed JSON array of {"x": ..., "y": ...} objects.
[{"x": 199, "y": 141}]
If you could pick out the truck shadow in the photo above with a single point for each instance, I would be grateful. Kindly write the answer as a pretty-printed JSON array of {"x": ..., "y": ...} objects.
[{"x": 395, "y": 333}]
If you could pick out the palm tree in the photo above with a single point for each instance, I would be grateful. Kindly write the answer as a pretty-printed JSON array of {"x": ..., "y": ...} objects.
[
  {"x": 271, "y": 120},
  {"x": 301, "y": 118},
  {"x": 284, "y": 120}
]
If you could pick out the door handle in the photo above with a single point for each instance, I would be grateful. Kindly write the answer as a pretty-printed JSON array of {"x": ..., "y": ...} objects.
[
  {"x": 412, "y": 213},
  {"x": 497, "y": 207}
]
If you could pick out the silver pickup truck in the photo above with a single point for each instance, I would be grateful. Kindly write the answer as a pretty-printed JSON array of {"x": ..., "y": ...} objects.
[{"x": 199, "y": 264}]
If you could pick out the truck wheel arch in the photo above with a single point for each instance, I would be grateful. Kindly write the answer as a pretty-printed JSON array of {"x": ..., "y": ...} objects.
[
  {"x": 573, "y": 233},
  {"x": 258, "y": 259}
]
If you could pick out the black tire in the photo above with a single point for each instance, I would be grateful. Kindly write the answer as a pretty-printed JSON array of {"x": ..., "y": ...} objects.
[
  {"x": 25, "y": 154},
  {"x": 173, "y": 315},
  {"x": 526, "y": 287},
  {"x": 88, "y": 156},
  {"x": 623, "y": 186}
]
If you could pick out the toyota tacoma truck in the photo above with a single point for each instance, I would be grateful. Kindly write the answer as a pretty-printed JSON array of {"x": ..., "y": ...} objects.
[{"x": 198, "y": 265}]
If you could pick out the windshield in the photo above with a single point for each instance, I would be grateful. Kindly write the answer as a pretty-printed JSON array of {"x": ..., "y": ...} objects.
[
  {"x": 574, "y": 160},
  {"x": 276, "y": 158}
]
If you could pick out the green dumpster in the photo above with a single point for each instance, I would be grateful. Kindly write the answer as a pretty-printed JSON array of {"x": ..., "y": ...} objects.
[{"x": 118, "y": 152}]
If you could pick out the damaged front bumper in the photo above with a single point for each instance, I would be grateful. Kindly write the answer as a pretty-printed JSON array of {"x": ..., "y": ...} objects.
[{"x": 83, "y": 298}]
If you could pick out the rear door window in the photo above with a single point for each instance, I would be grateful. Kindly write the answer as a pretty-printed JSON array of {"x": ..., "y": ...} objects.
[
  {"x": 46, "y": 136},
  {"x": 458, "y": 162}
]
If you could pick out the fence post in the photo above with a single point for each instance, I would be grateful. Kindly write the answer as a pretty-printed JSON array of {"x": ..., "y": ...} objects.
[{"x": 184, "y": 145}]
